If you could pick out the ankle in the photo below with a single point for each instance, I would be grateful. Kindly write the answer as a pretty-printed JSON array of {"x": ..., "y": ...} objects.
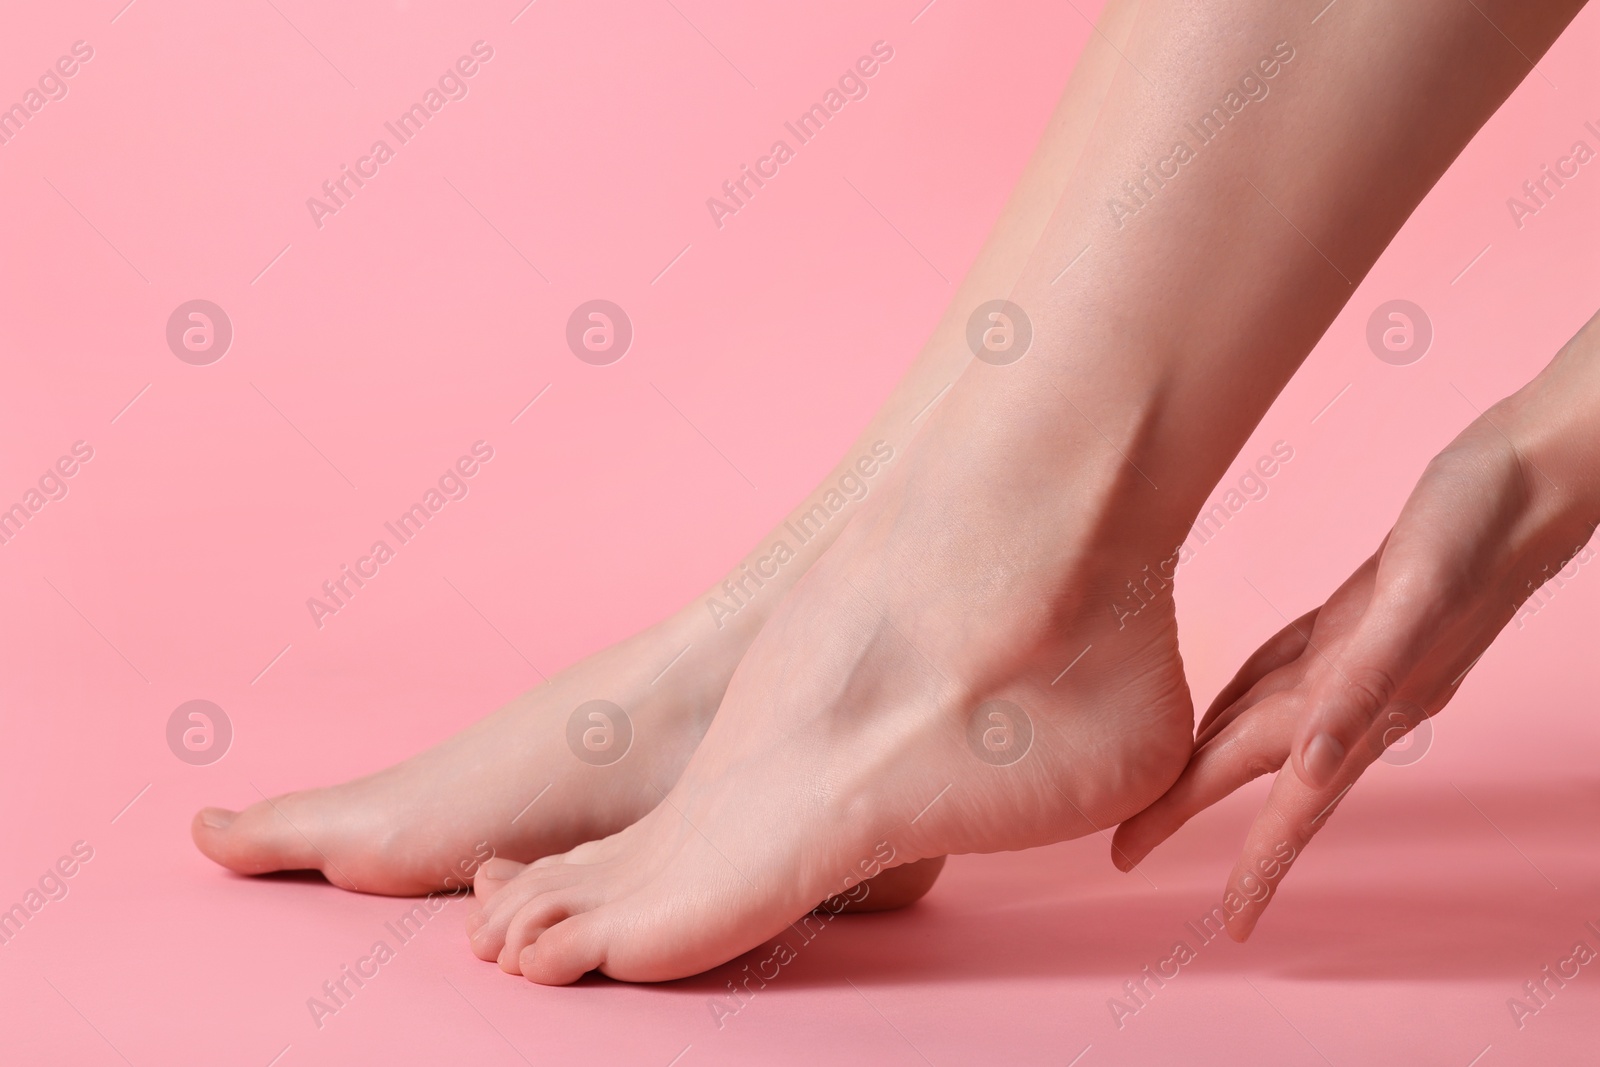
[
  {"x": 1156, "y": 403},
  {"x": 1107, "y": 469}
]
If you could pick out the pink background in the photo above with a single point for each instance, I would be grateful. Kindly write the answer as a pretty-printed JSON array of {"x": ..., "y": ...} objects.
[{"x": 407, "y": 327}]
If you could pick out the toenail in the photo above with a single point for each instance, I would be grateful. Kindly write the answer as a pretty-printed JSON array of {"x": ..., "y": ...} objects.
[
  {"x": 499, "y": 869},
  {"x": 217, "y": 818}
]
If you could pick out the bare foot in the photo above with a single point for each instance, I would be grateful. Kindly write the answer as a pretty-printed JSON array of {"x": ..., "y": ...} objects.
[
  {"x": 430, "y": 821},
  {"x": 514, "y": 786},
  {"x": 521, "y": 783},
  {"x": 910, "y": 698},
  {"x": 891, "y": 889}
]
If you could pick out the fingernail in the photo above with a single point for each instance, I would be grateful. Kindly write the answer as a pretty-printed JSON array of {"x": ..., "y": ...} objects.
[
  {"x": 1322, "y": 759},
  {"x": 217, "y": 818}
]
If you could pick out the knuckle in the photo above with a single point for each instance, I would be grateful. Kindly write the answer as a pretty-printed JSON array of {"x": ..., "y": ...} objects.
[
  {"x": 1367, "y": 691},
  {"x": 1259, "y": 763}
]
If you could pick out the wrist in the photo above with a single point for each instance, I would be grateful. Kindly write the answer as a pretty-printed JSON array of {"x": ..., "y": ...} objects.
[{"x": 1554, "y": 424}]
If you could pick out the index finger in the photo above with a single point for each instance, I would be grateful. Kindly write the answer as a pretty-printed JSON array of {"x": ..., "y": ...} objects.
[{"x": 1293, "y": 814}]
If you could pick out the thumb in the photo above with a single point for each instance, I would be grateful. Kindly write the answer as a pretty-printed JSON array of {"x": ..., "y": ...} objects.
[{"x": 1360, "y": 680}]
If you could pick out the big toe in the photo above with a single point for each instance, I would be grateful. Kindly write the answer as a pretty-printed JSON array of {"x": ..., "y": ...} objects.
[{"x": 254, "y": 841}]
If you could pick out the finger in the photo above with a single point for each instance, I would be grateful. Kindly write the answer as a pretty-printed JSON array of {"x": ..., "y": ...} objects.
[
  {"x": 1281, "y": 649},
  {"x": 1293, "y": 814},
  {"x": 1283, "y": 680},
  {"x": 1347, "y": 696},
  {"x": 1301, "y": 642},
  {"x": 1247, "y": 748}
]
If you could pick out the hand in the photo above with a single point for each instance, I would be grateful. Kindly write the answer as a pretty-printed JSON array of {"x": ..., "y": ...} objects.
[{"x": 1484, "y": 527}]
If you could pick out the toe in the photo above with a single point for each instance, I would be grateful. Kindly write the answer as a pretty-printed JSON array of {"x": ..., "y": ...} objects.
[
  {"x": 492, "y": 876},
  {"x": 898, "y": 887},
  {"x": 487, "y": 932},
  {"x": 567, "y": 951},
  {"x": 533, "y": 920},
  {"x": 254, "y": 841}
]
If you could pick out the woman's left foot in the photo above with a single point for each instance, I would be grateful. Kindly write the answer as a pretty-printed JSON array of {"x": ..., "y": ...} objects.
[{"x": 947, "y": 679}]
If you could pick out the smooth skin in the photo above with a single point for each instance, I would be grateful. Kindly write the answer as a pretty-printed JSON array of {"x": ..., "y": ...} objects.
[
  {"x": 995, "y": 554},
  {"x": 424, "y": 824},
  {"x": 992, "y": 554}
]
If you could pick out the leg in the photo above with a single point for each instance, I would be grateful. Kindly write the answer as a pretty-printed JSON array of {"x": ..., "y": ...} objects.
[
  {"x": 417, "y": 826},
  {"x": 971, "y": 667}
]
